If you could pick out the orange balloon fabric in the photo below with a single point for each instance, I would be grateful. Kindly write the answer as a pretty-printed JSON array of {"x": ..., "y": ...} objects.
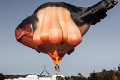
[
  {"x": 56, "y": 33},
  {"x": 56, "y": 28}
]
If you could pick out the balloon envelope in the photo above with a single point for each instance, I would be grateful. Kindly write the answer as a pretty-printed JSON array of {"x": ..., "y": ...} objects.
[{"x": 56, "y": 28}]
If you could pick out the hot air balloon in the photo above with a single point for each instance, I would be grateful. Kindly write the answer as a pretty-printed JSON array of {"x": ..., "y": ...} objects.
[{"x": 56, "y": 28}]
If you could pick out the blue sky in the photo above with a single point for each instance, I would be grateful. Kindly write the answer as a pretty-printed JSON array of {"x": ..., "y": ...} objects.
[{"x": 100, "y": 48}]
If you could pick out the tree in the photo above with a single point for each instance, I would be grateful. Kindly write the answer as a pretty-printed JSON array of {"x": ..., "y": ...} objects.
[
  {"x": 115, "y": 77},
  {"x": 119, "y": 68},
  {"x": 79, "y": 74},
  {"x": 2, "y": 76}
]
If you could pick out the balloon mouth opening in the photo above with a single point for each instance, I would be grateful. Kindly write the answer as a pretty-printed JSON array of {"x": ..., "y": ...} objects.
[{"x": 56, "y": 57}]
